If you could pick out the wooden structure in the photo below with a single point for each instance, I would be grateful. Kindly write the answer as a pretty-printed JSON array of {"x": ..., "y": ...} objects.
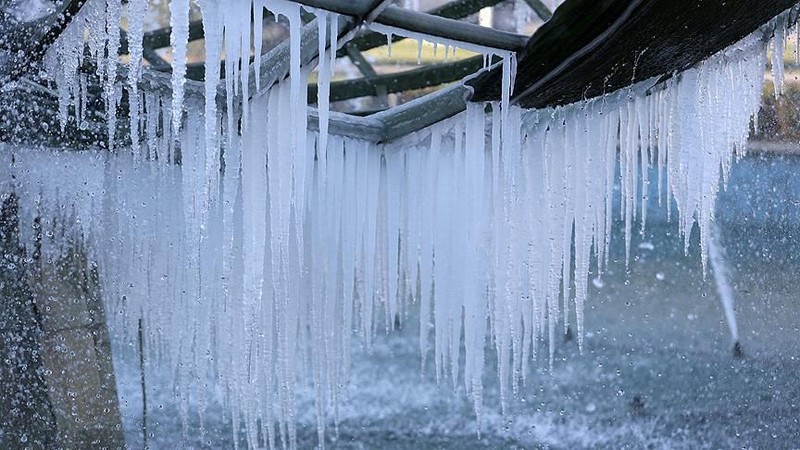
[{"x": 593, "y": 47}]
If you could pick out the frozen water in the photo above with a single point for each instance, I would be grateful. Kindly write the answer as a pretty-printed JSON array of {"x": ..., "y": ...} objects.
[
  {"x": 178, "y": 40},
  {"x": 717, "y": 258},
  {"x": 638, "y": 342},
  {"x": 253, "y": 253}
]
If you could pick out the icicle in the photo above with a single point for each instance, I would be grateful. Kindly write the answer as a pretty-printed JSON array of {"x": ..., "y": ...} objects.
[
  {"x": 254, "y": 202},
  {"x": 244, "y": 58},
  {"x": 232, "y": 50},
  {"x": 152, "y": 106},
  {"x": 628, "y": 169},
  {"x": 778, "y": 45},
  {"x": 334, "y": 41},
  {"x": 797, "y": 43},
  {"x": 258, "y": 38},
  {"x": 136, "y": 12},
  {"x": 721, "y": 279},
  {"x": 111, "y": 93},
  {"x": 324, "y": 76},
  {"x": 166, "y": 147},
  {"x": 298, "y": 93},
  {"x": 212, "y": 30},
  {"x": 178, "y": 39},
  {"x": 475, "y": 255},
  {"x": 390, "y": 32},
  {"x": 509, "y": 72}
]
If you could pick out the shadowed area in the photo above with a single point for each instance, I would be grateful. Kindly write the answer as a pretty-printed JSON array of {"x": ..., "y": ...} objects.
[{"x": 592, "y": 47}]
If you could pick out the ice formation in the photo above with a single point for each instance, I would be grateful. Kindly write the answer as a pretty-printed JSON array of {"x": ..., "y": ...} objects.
[
  {"x": 252, "y": 253},
  {"x": 716, "y": 253}
]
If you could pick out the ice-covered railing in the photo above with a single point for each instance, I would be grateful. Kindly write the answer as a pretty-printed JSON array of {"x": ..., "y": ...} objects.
[
  {"x": 250, "y": 245},
  {"x": 97, "y": 26},
  {"x": 99, "y": 22}
]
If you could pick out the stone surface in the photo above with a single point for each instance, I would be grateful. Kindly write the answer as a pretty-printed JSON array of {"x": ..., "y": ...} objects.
[{"x": 76, "y": 353}]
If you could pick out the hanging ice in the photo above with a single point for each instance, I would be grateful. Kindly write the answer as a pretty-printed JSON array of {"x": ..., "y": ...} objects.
[
  {"x": 178, "y": 40},
  {"x": 136, "y": 13},
  {"x": 283, "y": 245}
]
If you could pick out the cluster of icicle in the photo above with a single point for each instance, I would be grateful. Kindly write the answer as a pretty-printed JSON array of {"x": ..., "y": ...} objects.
[
  {"x": 227, "y": 31},
  {"x": 254, "y": 254}
]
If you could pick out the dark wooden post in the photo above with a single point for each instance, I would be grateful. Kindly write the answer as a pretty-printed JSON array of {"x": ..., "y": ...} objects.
[
  {"x": 76, "y": 351},
  {"x": 26, "y": 417},
  {"x": 57, "y": 384}
]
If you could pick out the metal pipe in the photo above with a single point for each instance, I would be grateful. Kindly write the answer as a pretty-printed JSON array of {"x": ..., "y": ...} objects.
[{"x": 417, "y": 22}]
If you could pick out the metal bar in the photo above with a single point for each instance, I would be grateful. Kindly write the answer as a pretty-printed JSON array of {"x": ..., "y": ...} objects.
[
  {"x": 369, "y": 73},
  {"x": 454, "y": 10},
  {"x": 397, "y": 17},
  {"x": 423, "y": 23},
  {"x": 426, "y": 111},
  {"x": 462, "y": 8},
  {"x": 156, "y": 61},
  {"x": 159, "y": 38},
  {"x": 148, "y": 53},
  {"x": 382, "y": 126},
  {"x": 354, "y": 8},
  {"x": 423, "y": 77},
  {"x": 422, "y": 112},
  {"x": 274, "y": 67},
  {"x": 276, "y": 64},
  {"x": 366, "y": 128},
  {"x": 359, "y": 61},
  {"x": 58, "y": 23}
]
